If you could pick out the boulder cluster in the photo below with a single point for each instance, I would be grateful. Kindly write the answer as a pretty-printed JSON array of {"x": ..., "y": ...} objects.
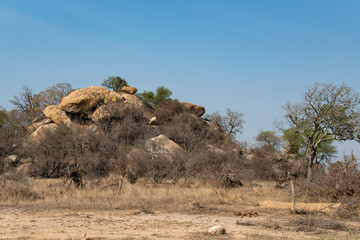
[{"x": 84, "y": 108}]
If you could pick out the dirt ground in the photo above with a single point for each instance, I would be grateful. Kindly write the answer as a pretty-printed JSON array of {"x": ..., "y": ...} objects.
[{"x": 32, "y": 223}]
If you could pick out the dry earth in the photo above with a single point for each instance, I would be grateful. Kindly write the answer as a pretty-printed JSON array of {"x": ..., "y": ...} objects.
[{"x": 274, "y": 222}]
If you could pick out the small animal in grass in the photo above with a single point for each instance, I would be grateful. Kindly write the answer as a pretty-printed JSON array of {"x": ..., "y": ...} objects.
[{"x": 247, "y": 214}]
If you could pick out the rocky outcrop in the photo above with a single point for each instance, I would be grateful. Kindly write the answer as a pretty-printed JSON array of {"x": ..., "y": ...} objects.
[
  {"x": 129, "y": 90},
  {"x": 43, "y": 130},
  {"x": 83, "y": 107},
  {"x": 133, "y": 101},
  {"x": 85, "y": 99},
  {"x": 162, "y": 146},
  {"x": 212, "y": 126},
  {"x": 57, "y": 115},
  {"x": 37, "y": 124},
  {"x": 193, "y": 108},
  {"x": 104, "y": 111},
  {"x": 216, "y": 151}
]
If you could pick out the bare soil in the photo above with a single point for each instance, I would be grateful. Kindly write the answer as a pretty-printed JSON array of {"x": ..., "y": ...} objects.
[{"x": 274, "y": 222}]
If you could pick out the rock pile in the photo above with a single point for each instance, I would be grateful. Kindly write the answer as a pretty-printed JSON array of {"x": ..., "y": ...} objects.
[{"x": 83, "y": 108}]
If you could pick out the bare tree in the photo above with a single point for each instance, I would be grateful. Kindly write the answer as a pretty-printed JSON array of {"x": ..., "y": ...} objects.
[
  {"x": 54, "y": 94},
  {"x": 28, "y": 103},
  {"x": 231, "y": 123}
]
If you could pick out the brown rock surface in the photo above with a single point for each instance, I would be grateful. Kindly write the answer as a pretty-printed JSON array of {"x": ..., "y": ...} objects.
[
  {"x": 195, "y": 109},
  {"x": 106, "y": 110},
  {"x": 134, "y": 101},
  {"x": 162, "y": 146},
  {"x": 129, "y": 90},
  {"x": 85, "y": 99},
  {"x": 37, "y": 124},
  {"x": 57, "y": 115},
  {"x": 212, "y": 126},
  {"x": 43, "y": 130}
]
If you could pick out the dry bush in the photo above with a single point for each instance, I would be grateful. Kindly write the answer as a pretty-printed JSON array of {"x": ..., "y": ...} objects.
[
  {"x": 11, "y": 138},
  {"x": 123, "y": 123},
  {"x": 258, "y": 167},
  {"x": 212, "y": 167},
  {"x": 181, "y": 133},
  {"x": 167, "y": 111},
  {"x": 311, "y": 223},
  {"x": 98, "y": 149},
  {"x": 185, "y": 128},
  {"x": 340, "y": 184},
  {"x": 137, "y": 164},
  {"x": 15, "y": 188}
]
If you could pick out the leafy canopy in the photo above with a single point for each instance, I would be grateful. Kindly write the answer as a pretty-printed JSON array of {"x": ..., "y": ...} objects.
[
  {"x": 114, "y": 83},
  {"x": 327, "y": 113},
  {"x": 297, "y": 146},
  {"x": 161, "y": 95},
  {"x": 269, "y": 141}
]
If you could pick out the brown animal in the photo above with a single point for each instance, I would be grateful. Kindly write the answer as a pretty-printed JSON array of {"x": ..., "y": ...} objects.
[{"x": 247, "y": 214}]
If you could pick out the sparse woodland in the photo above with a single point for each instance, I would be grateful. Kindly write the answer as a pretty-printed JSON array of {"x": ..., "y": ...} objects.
[{"x": 96, "y": 145}]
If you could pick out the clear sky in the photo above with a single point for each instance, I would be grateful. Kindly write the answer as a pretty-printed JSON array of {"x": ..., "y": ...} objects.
[{"x": 250, "y": 56}]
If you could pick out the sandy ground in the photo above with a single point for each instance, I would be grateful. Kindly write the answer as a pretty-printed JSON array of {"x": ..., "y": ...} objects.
[{"x": 23, "y": 223}]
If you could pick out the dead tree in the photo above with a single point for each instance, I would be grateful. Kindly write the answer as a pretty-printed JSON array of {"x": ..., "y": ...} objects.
[
  {"x": 75, "y": 176},
  {"x": 291, "y": 181}
]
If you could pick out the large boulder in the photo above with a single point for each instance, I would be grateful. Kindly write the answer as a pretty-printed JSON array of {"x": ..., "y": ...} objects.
[
  {"x": 193, "y": 108},
  {"x": 129, "y": 90},
  {"x": 161, "y": 146},
  {"x": 100, "y": 113},
  {"x": 85, "y": 99},
  {"x": 35, "y": 125},
  {"x": 57, "y": 115},
  {"x": 43, "y": 130},
  {"x": 133, "y": 101},
  {"x": 216, "y": 151},
  {"x": 212, "y": 126}
]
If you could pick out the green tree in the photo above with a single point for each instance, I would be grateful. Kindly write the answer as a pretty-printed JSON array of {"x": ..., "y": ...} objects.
[
  {"x": 269, "y": 141},
  {"x": 114, "y": 83},
  {"x": 296, "y": 145},
  {"x": 161, "y": 95},
  {"x": 327, "y": 113},
  {"x": 231, "y": 123}
]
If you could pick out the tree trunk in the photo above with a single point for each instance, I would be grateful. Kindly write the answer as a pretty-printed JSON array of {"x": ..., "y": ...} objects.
[
  {"x": 310, "y": 163},
  {"x": 298, "y": 211}
]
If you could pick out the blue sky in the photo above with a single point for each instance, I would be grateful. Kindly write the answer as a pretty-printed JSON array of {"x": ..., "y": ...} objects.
[{"x": 250, "y": 56}]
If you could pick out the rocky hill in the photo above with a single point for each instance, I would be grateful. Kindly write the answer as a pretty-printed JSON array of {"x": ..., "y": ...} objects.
[{"x": 102, "y": 131}]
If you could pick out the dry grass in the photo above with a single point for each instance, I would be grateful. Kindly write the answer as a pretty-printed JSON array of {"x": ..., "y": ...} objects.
[
  {"x": 310, "y": 223},
  {"x": 144, "y": 195},
  {"x": 188, "y": 209}
]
